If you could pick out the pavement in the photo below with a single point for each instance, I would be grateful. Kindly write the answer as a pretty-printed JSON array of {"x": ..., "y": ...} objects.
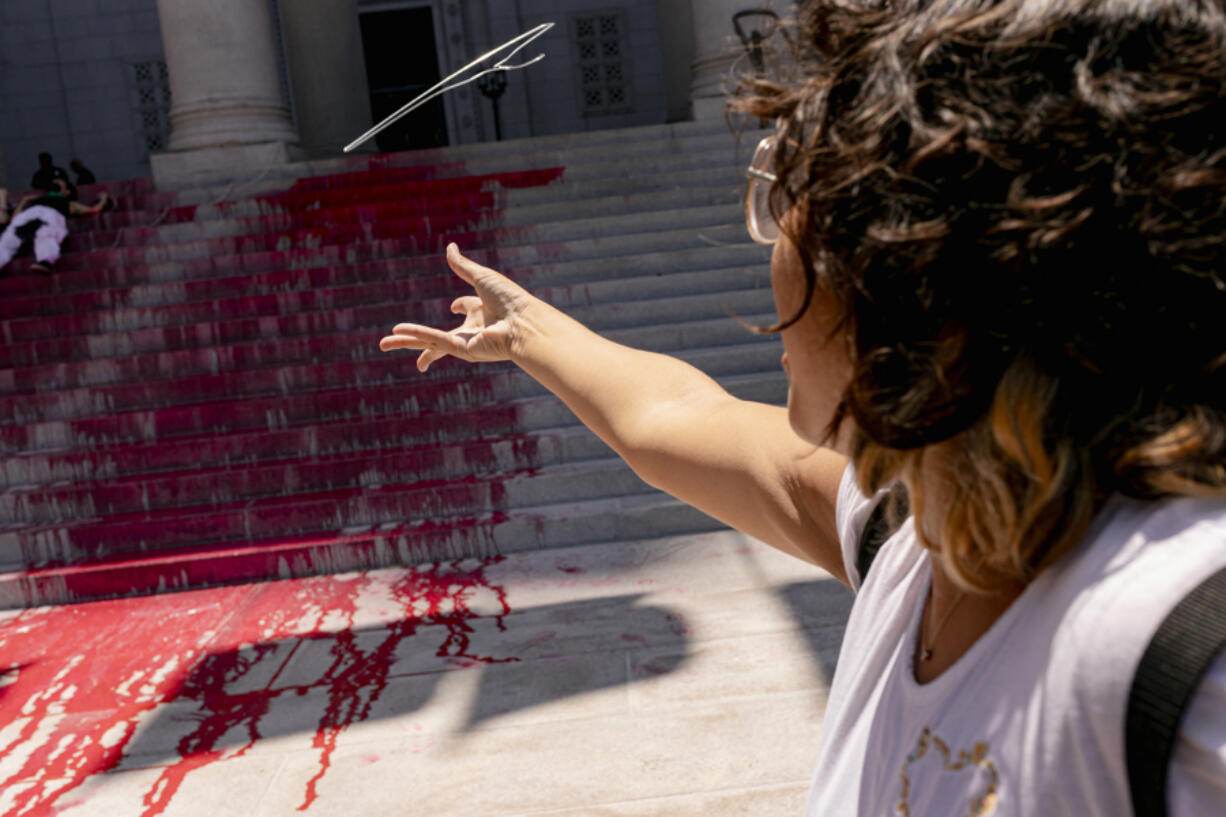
[{"x": 681, "y": 676}]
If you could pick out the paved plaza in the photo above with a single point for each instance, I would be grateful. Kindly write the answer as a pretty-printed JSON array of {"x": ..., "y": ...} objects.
[{"x": 678, "y": 677}]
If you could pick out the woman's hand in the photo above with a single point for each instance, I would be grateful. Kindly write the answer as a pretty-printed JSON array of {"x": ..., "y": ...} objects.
[{"x": 492, "y": 319}]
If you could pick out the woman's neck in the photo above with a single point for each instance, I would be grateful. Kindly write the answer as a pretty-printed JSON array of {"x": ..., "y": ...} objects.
[{"x": 953, "y": 620}]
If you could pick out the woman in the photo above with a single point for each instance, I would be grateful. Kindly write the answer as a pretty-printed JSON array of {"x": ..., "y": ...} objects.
[{"x": 999, "y": 274}]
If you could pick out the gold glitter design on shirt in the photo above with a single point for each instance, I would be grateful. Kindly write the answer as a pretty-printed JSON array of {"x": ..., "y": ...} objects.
[{"x": 982, "y": 804}]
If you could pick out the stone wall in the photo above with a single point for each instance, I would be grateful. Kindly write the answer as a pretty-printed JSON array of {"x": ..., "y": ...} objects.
[
  {"x": 549, "y": 97},
  {"x": 68, "y": 84},
  {"x": 86, "y": 78}
]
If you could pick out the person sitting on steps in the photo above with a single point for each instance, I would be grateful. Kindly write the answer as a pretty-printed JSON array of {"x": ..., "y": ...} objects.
[
  {"x": 44, "y": 178},
  {"x": 84, "y": 174},
  {"x": 43, "y": 220}
]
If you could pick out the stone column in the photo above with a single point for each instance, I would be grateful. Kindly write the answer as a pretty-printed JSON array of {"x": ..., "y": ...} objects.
[
  {"x": 227, "y": 115},
  {"x": 677, "y": 34},
  {"x": 455, "y": 49},
  {"x": 716, "y": 48},
  {"x": 323, "y": 47}
]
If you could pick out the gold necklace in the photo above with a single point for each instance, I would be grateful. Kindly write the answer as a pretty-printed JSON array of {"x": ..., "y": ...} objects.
[{"x": 926, "y": 648}]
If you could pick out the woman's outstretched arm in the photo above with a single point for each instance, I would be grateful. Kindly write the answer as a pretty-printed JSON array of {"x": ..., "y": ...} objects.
[{"x": 736, "y": 460}]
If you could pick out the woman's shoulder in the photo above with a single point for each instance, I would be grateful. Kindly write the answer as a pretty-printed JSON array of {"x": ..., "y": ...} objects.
[
  {"x": 1103, "y": 601},
  {"x": 1097, "y": 609},
  {"x": 858, "y": 515},
  {"x": 1167, "y": 539}
]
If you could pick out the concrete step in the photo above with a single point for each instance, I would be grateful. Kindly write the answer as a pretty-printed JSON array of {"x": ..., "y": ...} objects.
[
  {"x": 102, "y": 235},
  {"x": 589, "y": 155},
  {"x": 372, "y": 453},
  {"x": 628, "y": 288},
  {"x": 566, "y": 284},
  {"x": 410, "y": 237},
  {"x": 198, "y": 483},
  {"x": 604, "y": 140},
  {"x": 383, "y": 386},
  {"x": 536, "y": 216},
  {"x": 309, "y": 436},
  {"x": 288, "y": 211},
  {"x": 342, "y": 346},
  {"x": 617, "y": 519},
  {"x": 587, "y": 149},
  {"x": 222, "y": 389},
  {"x": 343, "y": 509},
  {"x": 139, "y": 280},
  {"x": 522, "y": 247},
  {"x": 420, "y": 230}
]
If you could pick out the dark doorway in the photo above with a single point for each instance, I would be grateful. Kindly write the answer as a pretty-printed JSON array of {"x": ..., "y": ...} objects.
[{"x": 401, "y": 62}]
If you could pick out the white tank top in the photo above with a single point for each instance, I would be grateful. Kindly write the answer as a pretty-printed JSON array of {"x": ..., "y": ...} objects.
[{"x": 1030, "y": 721}]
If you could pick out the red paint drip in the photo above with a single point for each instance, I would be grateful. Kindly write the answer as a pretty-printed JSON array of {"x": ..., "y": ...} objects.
[
  {"x": 222, "y": 711},
  {"x": 126, "y": 658},
  {"x": 359, "y": 679}
]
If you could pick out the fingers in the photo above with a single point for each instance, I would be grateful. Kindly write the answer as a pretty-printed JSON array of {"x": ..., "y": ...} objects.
[
  {"x": 392, "y": 342},
  {"x": 427, "y": 357},
  {"x": 470, "y": 271},
  {"x": 431, "y": 351},
  {"x": 434, "y": 343},
  {"x": 415, "y": 336}
]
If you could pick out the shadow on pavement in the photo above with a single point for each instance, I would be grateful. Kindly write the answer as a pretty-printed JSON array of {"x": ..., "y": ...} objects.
[
  {"x": 320, "y": 684},
  {"x": 820, "y": 609}
]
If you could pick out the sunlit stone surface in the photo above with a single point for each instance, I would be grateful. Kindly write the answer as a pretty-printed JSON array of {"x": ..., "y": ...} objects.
[{"x": 681, "y": 676}]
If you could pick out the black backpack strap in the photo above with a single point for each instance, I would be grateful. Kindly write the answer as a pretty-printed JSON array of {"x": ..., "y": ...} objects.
[
  {"x": 1177, "y": 657},
  {"x": 878, "y": 528}
]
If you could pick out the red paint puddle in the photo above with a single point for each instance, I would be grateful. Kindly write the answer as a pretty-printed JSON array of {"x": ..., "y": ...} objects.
[{"x": 87, "y": 675}]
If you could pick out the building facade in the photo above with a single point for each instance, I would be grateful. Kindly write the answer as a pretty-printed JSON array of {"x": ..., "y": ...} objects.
[{"x": 116, "y": 82}]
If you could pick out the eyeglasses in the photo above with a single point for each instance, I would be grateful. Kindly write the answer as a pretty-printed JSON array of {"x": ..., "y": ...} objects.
[{"x": 762, "y": 225}]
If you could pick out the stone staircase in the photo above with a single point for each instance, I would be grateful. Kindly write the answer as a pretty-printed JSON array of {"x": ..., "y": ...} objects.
[{"x": 196, "y": 395}]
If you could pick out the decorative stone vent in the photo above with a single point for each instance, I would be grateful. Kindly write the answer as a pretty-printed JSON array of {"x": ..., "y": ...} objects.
[
  {"x": 152, "y": 86},
  {"x": 600, "y": 54}
]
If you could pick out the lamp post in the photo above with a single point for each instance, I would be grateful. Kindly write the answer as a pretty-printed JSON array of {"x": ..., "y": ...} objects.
[
  {"x": 492, "y": 86},
  {"x": 716, "y": 49},
  {"x": 754, "y": 39}
]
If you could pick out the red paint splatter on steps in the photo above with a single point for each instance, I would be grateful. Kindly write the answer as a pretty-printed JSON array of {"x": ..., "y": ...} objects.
[{"x": 79, "y": 680}]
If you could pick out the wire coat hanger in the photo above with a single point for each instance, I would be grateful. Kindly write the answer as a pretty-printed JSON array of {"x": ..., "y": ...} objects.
[{"x": 444, "y": 85}]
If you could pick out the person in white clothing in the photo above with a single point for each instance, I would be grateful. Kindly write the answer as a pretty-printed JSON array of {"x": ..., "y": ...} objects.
[
  {"x": 43, "y": 220},
  {"x": 1000, "y": 270}
]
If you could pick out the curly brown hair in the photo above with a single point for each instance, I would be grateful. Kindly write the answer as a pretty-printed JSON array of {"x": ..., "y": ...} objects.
[{"x": 1021, "y": 207}]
